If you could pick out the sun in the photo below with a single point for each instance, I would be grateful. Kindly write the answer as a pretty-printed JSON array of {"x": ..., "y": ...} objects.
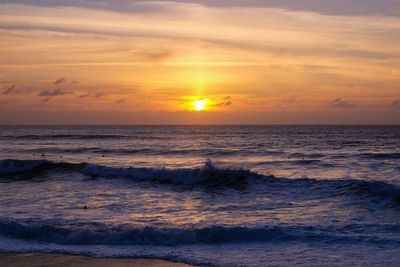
[{"x": 200, "y": 105}]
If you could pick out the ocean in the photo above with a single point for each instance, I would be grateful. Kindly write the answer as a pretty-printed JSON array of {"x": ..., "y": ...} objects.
[{"x": 204, "y": 195}]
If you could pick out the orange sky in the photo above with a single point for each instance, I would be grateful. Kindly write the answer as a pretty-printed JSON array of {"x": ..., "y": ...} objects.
[{"x": 148, "y": 65}]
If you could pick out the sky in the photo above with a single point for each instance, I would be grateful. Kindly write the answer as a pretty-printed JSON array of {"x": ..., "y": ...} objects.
[{"x": 246, "y": 62}]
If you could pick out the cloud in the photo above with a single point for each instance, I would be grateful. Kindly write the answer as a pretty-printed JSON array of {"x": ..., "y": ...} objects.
[
  {"x": 74, "y": 82},
  {"x": 336, "y": 7},
  {"x": 10, "y": 90},
  {"x": 84, "y": 95},
  {"x": 287, "y": 102},
  {"x": 120, "y": 101},
  {"x": 95, "y": 95},
  {"x": 340, "y": 103},
  {"x": 225, "y": 102},
  {"x": 360, "y": 37},
  {"x": 155, "y": 56},
  {"x": 59, "y": 81},
  {"x": 395, "y": 104},
  {"x": 4, "y": 102},
  {"x": 53, "y": 93}
]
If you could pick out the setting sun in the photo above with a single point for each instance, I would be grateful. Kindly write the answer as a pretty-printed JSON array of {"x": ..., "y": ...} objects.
[{"x": 200, "y": 105}]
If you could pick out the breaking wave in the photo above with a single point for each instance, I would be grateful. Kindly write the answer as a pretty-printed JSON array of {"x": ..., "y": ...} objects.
[
  {"x": 208, "y": 175},
  {"x": 101, "y": 234}
]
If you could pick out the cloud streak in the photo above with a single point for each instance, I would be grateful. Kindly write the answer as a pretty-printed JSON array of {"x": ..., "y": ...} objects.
[
  {"x": 53, "y": 93},
  {"x": 225, "y": 102},
  {"x": 340, "y": 103},
  {"x": 120, "y": 101},
  {"x": 395, "y": 104},
  {"x": 337, "y": 7},
  {"x": 94, "y": 95},
  {"x": 59, "y": 81},
  {"x": 10, "y": 90},
  {"x": 362, "y": 37}
]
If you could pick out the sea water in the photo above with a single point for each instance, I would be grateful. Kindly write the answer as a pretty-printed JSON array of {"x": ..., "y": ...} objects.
[{"x": 204, "y": 195}]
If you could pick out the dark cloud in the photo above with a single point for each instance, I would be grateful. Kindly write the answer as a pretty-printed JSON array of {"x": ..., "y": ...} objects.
[
  {"x": 59, "y": 81},
  {"x": 340, "y": 103},
  {"x": 10, "y": 90},
  {"x": 74, "y": 82},
  {"x": 395, "y": 104},
  {"x": 84, "y": 95},
  {"x": 120, "y": 101},
  {"x": 95, "y": 95},
  {"x": 226, "y": 101},
  {"x": 229, "y": 103},
  {"x": 53, "y": 93}
]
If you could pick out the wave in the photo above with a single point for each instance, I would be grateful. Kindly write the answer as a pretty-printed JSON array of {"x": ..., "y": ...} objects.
[
  {"x": 293, "y": 162},
  {"x": 209, "y": 176},
  {"x": 82, "y": 150},
  {"x": 382, "y": 156},
  {"x": 310, "y": 156},
  {"x": 88, "y": 151},
  {"x": 12, "y": 166},
  {"x": 65, "y": 136},
  {"x": 353, "y": 143},
  {"x": 101, "y": 234}
]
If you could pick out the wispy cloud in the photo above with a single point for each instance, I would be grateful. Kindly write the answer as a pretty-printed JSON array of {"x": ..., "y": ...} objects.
[
  {"x": 120, "y": 101},
  {"x": 84, "y": 95},
  {"x": 395, "y": 104},
  {"x": 294, "y": 28},
  {"x": 336, "y": 7},
  {"x": 340, "y": 103},
  {"x": 287, "y": 102},
  {"x": 225, "y": 102},
  {"x": 59, "y": 81},
  {"x": 94, "y": 95},
  {"x": 53, "y": 93},
  {"x": 10, "y": 90}
]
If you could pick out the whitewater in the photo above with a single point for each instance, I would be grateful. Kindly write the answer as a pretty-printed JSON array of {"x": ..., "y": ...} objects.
[{"x": 204, "y": 195}]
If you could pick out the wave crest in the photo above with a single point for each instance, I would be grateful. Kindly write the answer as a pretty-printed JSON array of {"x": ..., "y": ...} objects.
[
  {"x": 13, "y": 166},
  {"x": 208, "y": 174},
  {"x": 100, "y": 234}
]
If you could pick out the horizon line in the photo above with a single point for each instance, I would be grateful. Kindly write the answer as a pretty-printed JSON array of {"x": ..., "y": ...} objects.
[{"x": 212, "y": 124}]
